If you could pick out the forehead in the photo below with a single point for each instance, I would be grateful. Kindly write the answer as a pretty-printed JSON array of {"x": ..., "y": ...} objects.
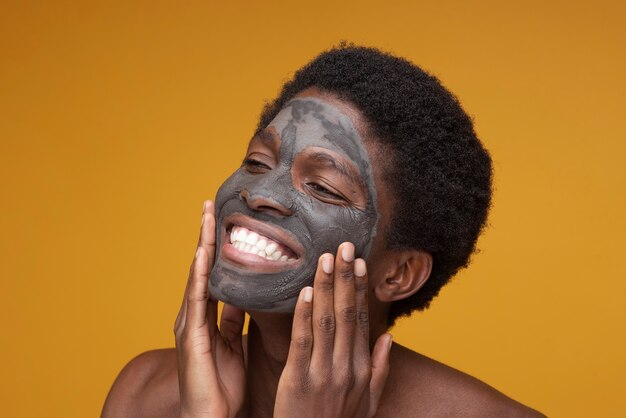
[{"x": 306, "y": 122}]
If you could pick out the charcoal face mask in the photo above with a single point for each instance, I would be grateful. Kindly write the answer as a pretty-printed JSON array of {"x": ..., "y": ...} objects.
[{"x": 319, "y": 226}]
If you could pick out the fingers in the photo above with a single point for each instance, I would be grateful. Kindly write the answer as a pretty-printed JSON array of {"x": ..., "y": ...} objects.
[
  {"x": 198, "y": 292},
  {"x": 323, "y": 313},
  {"x": 207, "y": 231},
  {"x": 231, "y": 325},
  {"x": 207, "y": 236},
  {"x": 344, "y": 303},
  {"x": 200, "y": 309},
  {"x": 330, "y": 336},
  {"x": 362, "y": 311},
  {"x": 380, "y": 370},
  {"x": 299, "y": 357},
  {"x": 340, "y": 310}
]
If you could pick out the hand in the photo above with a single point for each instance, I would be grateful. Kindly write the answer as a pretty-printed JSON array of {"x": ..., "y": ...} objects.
[
  {"x": 329, "y": 371},
  {"x": 211, "y": 370}
]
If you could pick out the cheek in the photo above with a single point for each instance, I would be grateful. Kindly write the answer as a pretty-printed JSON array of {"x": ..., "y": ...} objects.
[
  {"x": 228, "y": 187},
  {"x": 231, "y": 187},
  {"x": 331, "y": 225}
]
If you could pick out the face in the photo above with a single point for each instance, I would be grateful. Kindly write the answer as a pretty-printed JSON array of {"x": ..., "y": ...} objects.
[{"x": 306, "y": 186}]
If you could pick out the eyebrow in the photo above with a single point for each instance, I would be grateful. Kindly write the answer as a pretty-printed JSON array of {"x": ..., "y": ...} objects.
[
  {"x": 269, "y": 138},
  {"x": 266, "y": 136},
  {"x": 344, "y": 169}
]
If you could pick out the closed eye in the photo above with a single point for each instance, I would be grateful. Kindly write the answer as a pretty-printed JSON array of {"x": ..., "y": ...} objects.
[
  {"x": 255, "y": 166},
  {"x": 324, "y": 192}
]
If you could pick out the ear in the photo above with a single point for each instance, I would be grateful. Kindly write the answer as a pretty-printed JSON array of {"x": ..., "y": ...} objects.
[{"x": 407, "y": 273}]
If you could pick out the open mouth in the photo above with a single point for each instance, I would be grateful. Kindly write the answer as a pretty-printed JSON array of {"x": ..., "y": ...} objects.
[{"x": 250, "y": 243}]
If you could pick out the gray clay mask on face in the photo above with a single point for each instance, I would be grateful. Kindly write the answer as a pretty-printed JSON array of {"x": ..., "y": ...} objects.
[{"x": 277, "y": 209}]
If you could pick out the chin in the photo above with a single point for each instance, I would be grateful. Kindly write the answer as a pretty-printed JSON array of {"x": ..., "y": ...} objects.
[{"x": 249, "y": 296}]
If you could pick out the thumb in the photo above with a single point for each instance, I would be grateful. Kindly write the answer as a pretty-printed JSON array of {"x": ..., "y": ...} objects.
[{"x": 380, "y": 370}]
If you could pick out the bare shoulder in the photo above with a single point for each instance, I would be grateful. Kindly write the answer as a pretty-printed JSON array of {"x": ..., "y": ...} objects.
[
  {"x": 146, "y": 387},
  {"x": 420, "y": 386}
]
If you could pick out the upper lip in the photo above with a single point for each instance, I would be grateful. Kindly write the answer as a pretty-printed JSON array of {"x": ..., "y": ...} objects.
[{"x": 270, "y": 231}]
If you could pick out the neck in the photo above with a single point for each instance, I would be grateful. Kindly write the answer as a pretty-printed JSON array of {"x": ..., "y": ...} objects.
[{"x": 268, "y": 342}]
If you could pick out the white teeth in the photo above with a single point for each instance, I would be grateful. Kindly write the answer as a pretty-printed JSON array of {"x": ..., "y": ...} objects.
[
  {"x": 270, "y": 248},
  {"x": 241, "y": 235},
  {"x": 252, "y": 238},
  {"x": 261, "y": 244},
  {"x": 253, "y": 243}
]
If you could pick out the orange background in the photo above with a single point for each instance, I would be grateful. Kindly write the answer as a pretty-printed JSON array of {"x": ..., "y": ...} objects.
[{"x": 118, "y": 118}]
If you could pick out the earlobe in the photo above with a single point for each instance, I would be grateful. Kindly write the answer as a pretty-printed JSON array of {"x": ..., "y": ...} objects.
[{"x": 406, "y": 276}]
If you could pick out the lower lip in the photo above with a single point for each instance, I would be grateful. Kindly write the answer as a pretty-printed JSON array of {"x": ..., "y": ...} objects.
[{"x": 254, "y": 262}]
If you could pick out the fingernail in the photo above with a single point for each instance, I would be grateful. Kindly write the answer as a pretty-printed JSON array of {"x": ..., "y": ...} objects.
[
  {"x": 390, "y": 338},
  {"x": 347, "y": 253},
  {"x": 198, "y": 252},
  {"x": 327, "y": 263},
  {"x": 307, "y": 294},
  {"x": 202, "y": 223},
  {"x": 360, "y": 268}
]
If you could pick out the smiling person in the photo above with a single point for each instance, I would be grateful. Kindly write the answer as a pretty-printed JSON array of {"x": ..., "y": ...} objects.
[{"x": 362, "y": 192}]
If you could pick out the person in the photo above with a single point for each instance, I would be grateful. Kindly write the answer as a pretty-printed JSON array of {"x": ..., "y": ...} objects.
[{"x": 362, "y": 192}]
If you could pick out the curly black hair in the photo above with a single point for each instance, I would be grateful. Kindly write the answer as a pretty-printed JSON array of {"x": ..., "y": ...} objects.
[{"x": 439, "y": 172}]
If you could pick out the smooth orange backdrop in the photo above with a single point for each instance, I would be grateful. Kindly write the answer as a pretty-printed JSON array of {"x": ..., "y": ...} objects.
[{"x": 117, "y": 119}]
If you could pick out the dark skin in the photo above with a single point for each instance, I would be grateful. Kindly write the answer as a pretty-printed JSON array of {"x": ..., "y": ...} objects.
[
  {"x": 292, "y": 164},
  {"x": 293, "y": 364}
]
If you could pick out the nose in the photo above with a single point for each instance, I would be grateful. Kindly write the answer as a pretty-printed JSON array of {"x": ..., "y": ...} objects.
[{"x": 265, "y": 204}]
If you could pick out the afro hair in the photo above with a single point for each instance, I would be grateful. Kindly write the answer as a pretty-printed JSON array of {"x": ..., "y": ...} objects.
[{"x": 438, "y": 171}]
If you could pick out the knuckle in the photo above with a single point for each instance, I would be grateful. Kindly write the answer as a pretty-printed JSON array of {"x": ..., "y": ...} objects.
[
  {"x": 198, "y": 343},
  {"x": 306, "y": 313},
  {"x": 198, "y": 295},
  {"x": 344, "y": 379},
  {"x": 327, "y": 323},
  {"x": 363, "y": 318},
  {"x": 303, "y": 342},
  {"x": 348, "y": 313},
  {"x": 321, "y": 380},
  {"x": 346, "y": 274},
  {"x": 324, "y": 285},
  {"x": 361, "y": 286}
]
